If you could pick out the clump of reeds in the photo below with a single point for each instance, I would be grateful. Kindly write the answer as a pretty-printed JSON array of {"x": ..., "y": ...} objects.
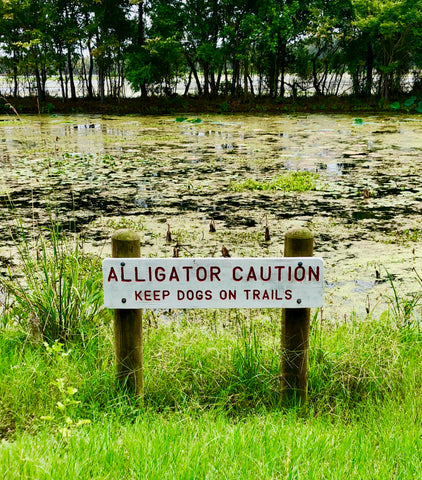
[{"x": 54, "y": 289}]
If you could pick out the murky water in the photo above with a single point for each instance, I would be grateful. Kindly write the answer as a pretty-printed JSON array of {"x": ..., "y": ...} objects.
[{"x": 103, "y": 173}]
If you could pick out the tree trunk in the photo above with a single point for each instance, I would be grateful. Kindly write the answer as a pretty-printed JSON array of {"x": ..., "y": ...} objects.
[
  {"x": 218, "y": 81},
  {"x": 188, "y": 84},
  {"x": 141, "y": 39},
  {"x": 282, "y": 61},
  {"x": 71, "y": 79},
  {"x": 369, "y": 70},
  {"x": 195, "y": 75},
  {"x": 101, "y": 80},
  {"x": 205, "y": 69},
  {"x": 245, "y": 79},
  {"x": 235, "y": 77},
  {"x": 15, "y": 76},
  {"x": 64, "y": 96},
  {"x": 89, "y": 86},
  {"x": 40, "y": 91},
  {"x": 315, "y": 76}
]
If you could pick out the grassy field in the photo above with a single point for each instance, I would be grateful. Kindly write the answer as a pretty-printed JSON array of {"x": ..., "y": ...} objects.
[{"x": 211, "y": 406}]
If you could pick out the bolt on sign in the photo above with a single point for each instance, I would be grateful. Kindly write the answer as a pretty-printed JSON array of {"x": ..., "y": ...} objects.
[{"x": 155, "y": 283}]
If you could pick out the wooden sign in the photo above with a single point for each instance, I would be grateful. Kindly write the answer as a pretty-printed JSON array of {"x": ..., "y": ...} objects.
[{"x": 162, "y": 283}]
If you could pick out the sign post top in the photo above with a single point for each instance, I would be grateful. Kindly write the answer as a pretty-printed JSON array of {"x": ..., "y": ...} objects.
[{"x": 154, "y": 283}]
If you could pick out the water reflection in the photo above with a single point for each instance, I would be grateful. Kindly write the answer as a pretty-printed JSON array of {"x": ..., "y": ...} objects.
[{"x": 116, "y": 154}]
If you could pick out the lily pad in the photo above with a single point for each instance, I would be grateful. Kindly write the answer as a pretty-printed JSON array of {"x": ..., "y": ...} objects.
[{"x": 410, "y": 101}]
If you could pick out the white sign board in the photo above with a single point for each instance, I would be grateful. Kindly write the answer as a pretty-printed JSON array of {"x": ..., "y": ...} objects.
[{"x": 213, "y": 282}]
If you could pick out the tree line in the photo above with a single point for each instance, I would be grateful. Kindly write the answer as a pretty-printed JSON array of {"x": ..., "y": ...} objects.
[{"x": 216, "y": 47}]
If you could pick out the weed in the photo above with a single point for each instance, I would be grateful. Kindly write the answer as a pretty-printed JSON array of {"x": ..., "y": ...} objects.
[
  {"x": 48, "y": 108},
  {"x": 224, "y": 107},
  {"x": 405, "y": 308},
  {"x": 404, "y": 237},
  {"x": 409, "y": 104},
  {"x": 56, "y": 287},
  {"x": 298, "y": 181},
  {"x": 65, "y": 408}
]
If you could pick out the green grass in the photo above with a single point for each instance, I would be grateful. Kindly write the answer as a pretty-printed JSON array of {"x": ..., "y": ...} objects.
[
  {"x": 298, "y": 181},
  {"x": 362, "y": 420},
  {"x": 184, "y": 446},
  {"x": 211, "y": 404}
]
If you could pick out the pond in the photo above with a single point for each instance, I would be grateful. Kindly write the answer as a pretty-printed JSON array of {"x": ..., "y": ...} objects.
[{"x": 98, "y": 174}]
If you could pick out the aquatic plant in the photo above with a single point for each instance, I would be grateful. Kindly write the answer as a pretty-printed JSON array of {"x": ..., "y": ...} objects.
[
  {"x": 407, "y": 104},
  {"x": 297, "y": 181},
  {"x": 405, "y": 308},
  {"x": 55, "y": 291}
]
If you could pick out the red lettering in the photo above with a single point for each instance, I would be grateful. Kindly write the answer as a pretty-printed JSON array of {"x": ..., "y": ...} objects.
[
  {"x": 208, "y": 294},
  {"x": 262, "y": 274},
  {"x": 150, "y": 295},
  {"x": 279, "y": 268},
  {"x": 122, "y": 275},
  {"x": 251, "y": 275},
  {"x": 112, "y": 275},
  {"x": 256, "y": 294},
  {"x": 203, "y": 274},
  {"x": 265, "y": 295},
  {"x": 247, "y": 294},
  {"x": 235, "y": 278},
  {"x": 187, "y": 270},
  {"x": 314, "y": 273},
  {"x": 214, "y": 274},
  {"x": 138, "y": 296},
  {"x": 288, "y": 294},
  {"x": 299, "y": 273},
  {"x": 137, "y": 279},
  {"x": 173, "y": 275},
  {"x": 160, "y": 274}
]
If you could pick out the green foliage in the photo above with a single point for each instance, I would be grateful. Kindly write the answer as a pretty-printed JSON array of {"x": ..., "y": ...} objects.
[
  {"x": 221, "y": 45},
  {"x": 409, "y": 104},
  {"x": 56, "y": 290},
  {"x": 300, "y": 181},
  {"x": 410, "y": 101},
  {"x": 160, "y": 60},
  {"x": 48, "y": 108},
  {"x": 190, "y": 120},
  {"x": 405, "y": 309}
]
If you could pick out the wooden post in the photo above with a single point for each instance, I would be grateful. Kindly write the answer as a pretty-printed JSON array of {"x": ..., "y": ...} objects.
[
  {"x": 295, "y": 325},
  {"x": 128, "y": 323}
]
